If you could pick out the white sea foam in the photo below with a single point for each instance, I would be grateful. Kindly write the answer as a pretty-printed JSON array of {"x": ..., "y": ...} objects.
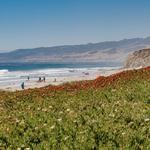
[{"x": 3, "y": 71}]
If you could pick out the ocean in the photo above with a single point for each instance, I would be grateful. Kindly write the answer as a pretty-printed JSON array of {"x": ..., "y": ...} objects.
[{"x": 37, "y": 66}]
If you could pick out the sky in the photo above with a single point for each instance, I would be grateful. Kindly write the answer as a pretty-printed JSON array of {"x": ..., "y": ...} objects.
[{"x": 42, "y": 23}]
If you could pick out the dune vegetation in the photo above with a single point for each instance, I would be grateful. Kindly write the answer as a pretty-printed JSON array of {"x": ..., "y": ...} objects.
[{"x": 107, "y": 113}]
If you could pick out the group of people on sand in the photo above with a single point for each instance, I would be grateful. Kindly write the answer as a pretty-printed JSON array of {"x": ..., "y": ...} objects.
[{"x": 41, "y": 79}]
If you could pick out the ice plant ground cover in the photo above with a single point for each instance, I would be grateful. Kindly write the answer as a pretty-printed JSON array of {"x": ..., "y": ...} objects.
[{"x": 107, "y": 113}]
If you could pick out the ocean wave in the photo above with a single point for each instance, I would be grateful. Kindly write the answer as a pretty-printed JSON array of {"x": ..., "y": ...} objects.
[{"x": 4, "y": 71}]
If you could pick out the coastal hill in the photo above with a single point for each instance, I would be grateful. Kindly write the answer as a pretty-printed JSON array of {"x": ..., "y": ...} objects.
[
  {"x": 110, "y": 52},
  {"x": 139, "y": 58},
  {"x": 106, "y": 112}
]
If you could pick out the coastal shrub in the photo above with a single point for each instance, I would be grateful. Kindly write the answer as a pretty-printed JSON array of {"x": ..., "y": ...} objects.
[{"x": 81, "y": 115}]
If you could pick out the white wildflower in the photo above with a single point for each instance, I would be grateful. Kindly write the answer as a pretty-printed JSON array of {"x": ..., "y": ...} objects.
[
  {"x": 38, "y": 108},
  {"x": 22, "y": 122},
  {"x": 115, "y": 110},
  {"x": 147, "y": 119},
  {"x": 66, "y": 138},
  {"x": 59, "y": 119},
  {"x": 27, "y": 149},
  {"x": 68, "y": 109},
  {"x": 50, "y": 107},
  {"x": 36, "y": 128},
  {"x": 52, "y": 127},
  {"x": 44, "y": 109},
  {"x": 111, "y": 115},
  {"x": 123, "y": 133},
  {"x": 61, "y": 112},
  {"x": 17, "y": 120},
  {"x": 44, "y": 124},
  {"x": 22, "y": 145}
]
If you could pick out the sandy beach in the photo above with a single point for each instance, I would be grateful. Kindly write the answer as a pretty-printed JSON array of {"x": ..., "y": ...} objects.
[{"x": 33, "y": 82}]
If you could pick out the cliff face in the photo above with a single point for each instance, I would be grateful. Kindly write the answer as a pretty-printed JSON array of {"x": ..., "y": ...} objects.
[{"x": 139, "y": 58}]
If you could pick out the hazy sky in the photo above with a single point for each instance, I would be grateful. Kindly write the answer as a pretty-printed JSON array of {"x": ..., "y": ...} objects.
[{"x": 35, "y": 23}]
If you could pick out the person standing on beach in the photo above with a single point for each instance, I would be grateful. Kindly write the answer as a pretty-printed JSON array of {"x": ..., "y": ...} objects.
[
  {"x": 28, "y": 78},
  {"x": 39, "y": 79},
  {"x": 22, "y": 85},
  {"x": 44, "y": 79}
]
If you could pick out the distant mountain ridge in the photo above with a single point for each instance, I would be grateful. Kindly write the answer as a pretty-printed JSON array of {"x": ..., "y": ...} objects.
[{"x": 109, "y": 52}]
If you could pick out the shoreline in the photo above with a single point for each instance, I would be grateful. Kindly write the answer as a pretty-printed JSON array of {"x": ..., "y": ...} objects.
[{"x": 32, "y": 83}]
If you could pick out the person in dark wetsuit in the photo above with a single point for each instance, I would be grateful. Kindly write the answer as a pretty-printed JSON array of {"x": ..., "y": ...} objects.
[{"x": 22, "y": 85}]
